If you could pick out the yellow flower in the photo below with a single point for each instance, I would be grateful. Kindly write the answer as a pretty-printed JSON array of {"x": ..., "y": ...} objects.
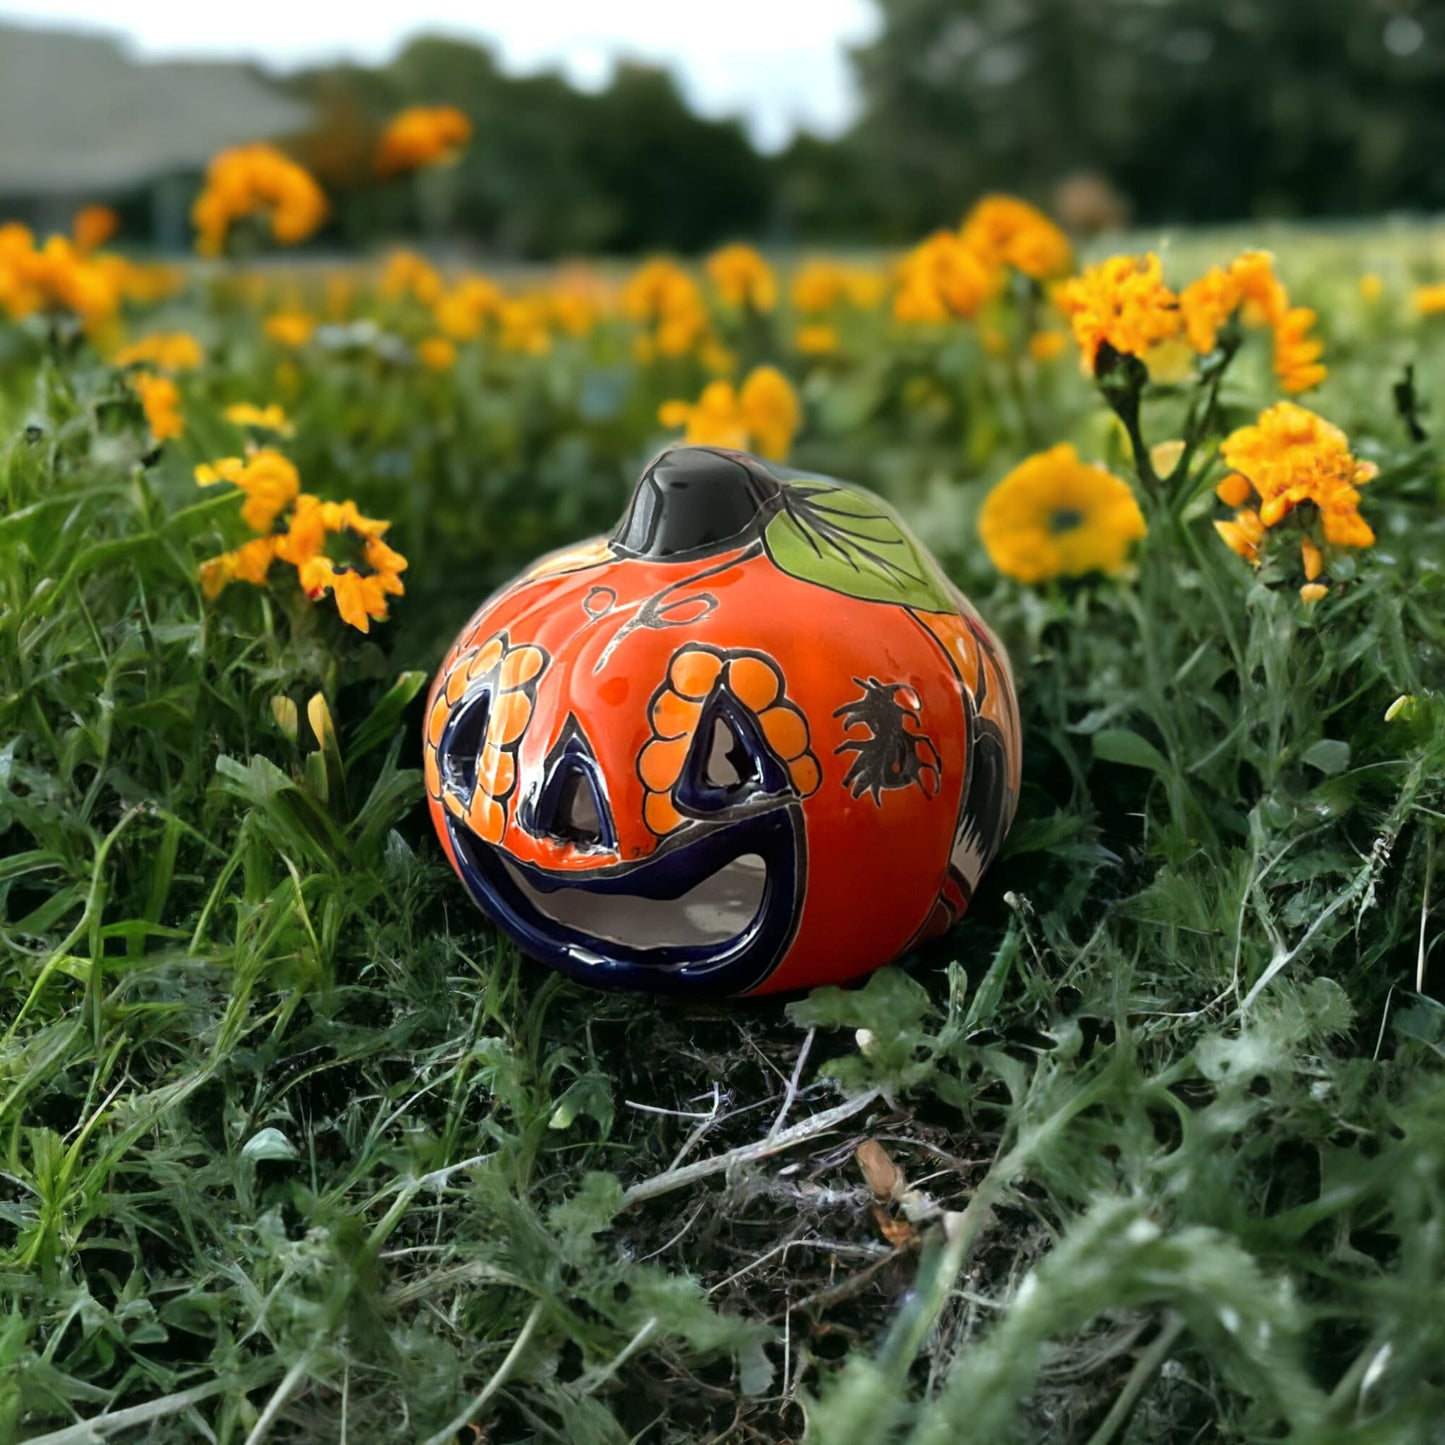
[
  {"x": 1265, "y": 299},
  {"x": 161, "y": 403},
  {"x": 340, "y": 288},
  {"x": 270, "y": 482},
  {"x": 1250, "y": 283},
  {"x": 251, "y": 562},
  {"x": 1429, "y": 300},
  {"x": 167, "y": 351},
  {"x": 1047, "y": 345},
  {"x": 942, "y": 279},
  {"x": 819, "y": 286},
  {"x": 715, "y": 419},
  {"x": 523, "y": 325},
  {"x": 292, "y": 329},
  {"x": 743, "y": 278},
  {"x": 716, "y": 359},
  {"x": 1288, "y": 457},
  {"x": 260, "y": 418},
  {"x": 1313, "y": 592},
  {"x": 360, "y": 595},
  {"x": 57, "y": 276},
  {"x": 1206, "y": 304},
  {"x": 1372, "y": 287},
  {"x": 463, "y": 312},
  {"x": 1055, "y": 516},
  {"x": 1122, "y": 301},
  {"x": 436, "y": 353},
  {"x": 763, "y": 413},
  {"x": 94, "y": 226},
  {"x": 422, "y": 136},
  {"x": 660, "y": 294},
  {"x": 576, "y": 312},
  {"x": 1005, "y": 231},
  {"x": 1297, "y": 353},
  {"x": 770, "y": 409},
  {"x": 1244, "y": 534},
  {"x": 256, "y": 180},
  {"x": 408, "y": 274},
  {"x": 816, "y": 339}
]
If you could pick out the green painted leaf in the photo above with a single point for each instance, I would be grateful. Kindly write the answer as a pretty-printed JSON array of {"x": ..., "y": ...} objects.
[{"x": 851, "y": 542}]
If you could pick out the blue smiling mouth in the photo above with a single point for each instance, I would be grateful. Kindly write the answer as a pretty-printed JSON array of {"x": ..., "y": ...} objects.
[{"x": 709, "y": 913}]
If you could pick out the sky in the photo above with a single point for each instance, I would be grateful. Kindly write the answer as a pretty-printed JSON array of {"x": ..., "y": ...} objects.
[{"x": 779, "y": 64}]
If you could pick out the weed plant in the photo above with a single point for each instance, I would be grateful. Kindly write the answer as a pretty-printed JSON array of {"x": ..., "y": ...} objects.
[{"x": 294, "y": 1148}]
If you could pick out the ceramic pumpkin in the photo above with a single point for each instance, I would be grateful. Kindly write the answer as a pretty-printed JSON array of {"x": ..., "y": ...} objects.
[{"x": 752, "y": 741}]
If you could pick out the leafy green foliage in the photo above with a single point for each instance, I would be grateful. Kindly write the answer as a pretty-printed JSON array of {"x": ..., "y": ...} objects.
[{"x": 291, "y": 1147}]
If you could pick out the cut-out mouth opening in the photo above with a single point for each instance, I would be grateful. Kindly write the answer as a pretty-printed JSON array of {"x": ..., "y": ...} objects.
[{"x": 713, "y": 911}]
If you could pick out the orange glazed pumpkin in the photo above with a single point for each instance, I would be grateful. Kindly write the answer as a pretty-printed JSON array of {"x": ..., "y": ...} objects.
[{"x": 752, "y": 741}]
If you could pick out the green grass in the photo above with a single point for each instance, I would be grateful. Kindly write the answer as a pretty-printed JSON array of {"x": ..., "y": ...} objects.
[{"x": 293, "y": 1148}]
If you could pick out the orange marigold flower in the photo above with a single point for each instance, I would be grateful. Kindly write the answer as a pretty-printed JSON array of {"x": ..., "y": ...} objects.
[
  {"x": 463, "y": 312},
  {"x": 763, "y": 412},
  {"x": 260, "y": 418},
  {"x": 436, "y": 353},
  {"x": 943, "y": 279},
  {"x": 360, "y": 595},
  {"x": 1244, "y": 534},
  {"x": 1206, "y": 304},
  {"x": 1263, "y": 294},
  {"x": 161, "y": 403},
  {"x": 1250, "y": 283},
  {"x": 269, "y": 480},
  {"x": 523, "y": 325},
  {"x": 743, "y": 278},
  {"x": 1429, "y": 300},
  {"x": 292, "y": 329},
  {"x": 816, "y": 339},
  {"x": 256, "y": 180},
  {"x": 1122, "y": 301},
  {"x": 423, "y": 135},
  {"x": 250, "y": 562},
  {"x": 57, "y": 276},
  {"x": 662, "y": 295},
  {"x": 1005, "y": 231},
  {"x": 819, "y": 286},
  {"x": 1289, "y": 457},
  {"x": 1297, "y": 353},
  {"x": 166, "y": 351},
  {"x": 408, "y": 274},
  {"x": 94, "y": 226},
  {"x": 1046, "y": 345}
]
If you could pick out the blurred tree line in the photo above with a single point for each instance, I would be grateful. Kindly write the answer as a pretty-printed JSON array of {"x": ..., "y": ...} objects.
[{"x": 1166, "y": 110}]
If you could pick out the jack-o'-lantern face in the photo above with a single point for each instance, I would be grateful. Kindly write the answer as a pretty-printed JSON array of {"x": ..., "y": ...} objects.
[{"x": 753, "y": 741}]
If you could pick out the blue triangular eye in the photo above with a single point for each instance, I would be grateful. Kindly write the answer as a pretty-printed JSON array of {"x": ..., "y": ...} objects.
[
  {"x": 461, "y": 743},
  {"x": 729, "y": 760},
  {"x": 571, "y": 805}
]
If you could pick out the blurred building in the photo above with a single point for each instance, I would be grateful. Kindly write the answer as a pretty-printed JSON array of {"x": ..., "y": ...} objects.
[{"x": 81, "y": 121}]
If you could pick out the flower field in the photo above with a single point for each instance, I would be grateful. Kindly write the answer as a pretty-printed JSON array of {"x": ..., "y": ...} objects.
[{"x": 293, "y": 1147}]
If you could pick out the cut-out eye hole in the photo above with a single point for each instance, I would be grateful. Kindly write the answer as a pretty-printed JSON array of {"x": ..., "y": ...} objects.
[
  {"x": 729, "y": 760},
  {"x": 462, "y": 742},
  {"x": 729, "y": 764},
  {"x": 571, "y": 805},
  {"x": 576, "y": 818}
]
